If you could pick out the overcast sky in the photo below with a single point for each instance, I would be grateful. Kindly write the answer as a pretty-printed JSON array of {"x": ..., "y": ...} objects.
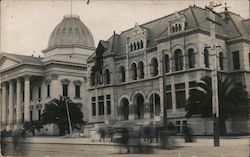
[{"x": 27, "y": 24}]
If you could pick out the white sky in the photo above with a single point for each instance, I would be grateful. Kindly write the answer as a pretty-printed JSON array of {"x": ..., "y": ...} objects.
[{"x": 27, "y": 24}]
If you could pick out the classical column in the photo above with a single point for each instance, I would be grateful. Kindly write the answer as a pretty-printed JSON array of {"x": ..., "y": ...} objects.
[
  {"x": 4, "y": 90},
  {"x": 55, "y": 92},
  {"x": 27, "y": 98},
  {"x": 11, "y": 102},
  {"x": 18, "y": 101}
]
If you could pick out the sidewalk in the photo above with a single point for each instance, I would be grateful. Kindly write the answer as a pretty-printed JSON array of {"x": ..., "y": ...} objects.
[{"x": 178, "y": 141}]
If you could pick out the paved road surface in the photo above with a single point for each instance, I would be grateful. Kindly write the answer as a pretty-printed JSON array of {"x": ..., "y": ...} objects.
[{"x": 201, "y": 148}]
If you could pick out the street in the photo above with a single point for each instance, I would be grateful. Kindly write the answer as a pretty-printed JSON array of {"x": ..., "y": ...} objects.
[{"x": 200, "y": 148}]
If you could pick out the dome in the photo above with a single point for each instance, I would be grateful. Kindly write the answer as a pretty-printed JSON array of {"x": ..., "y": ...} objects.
[{"x": 71, "y": 31}]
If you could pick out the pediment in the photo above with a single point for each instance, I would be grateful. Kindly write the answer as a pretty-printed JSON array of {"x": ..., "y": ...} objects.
[
  {"x": 6, "y": 63},
  {"x": 137, "y": 29}
]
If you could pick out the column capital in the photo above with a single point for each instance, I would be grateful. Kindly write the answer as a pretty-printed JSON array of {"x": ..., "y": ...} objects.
[
  {"x": 19, "y": 79},
  {"x": 27, "y": 76},
  {"x": 47, "y": 81},
  {"x": 54, "y": 76},
  {"x": 4, "y": 84},
  {"x": 11, "y": 81}
]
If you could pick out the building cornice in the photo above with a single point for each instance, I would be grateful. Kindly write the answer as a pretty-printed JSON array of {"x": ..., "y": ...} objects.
[
  {"x": 196, "y": 30},
  {"x": 238, "y": 40},
  {"x": 68, "y": 46}
]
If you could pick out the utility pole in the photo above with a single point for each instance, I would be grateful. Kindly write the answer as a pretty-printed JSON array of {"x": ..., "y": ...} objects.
[
  {"x": 69, "y": 120},
  {"x": 165, "y": 121},
  {"x": 68, "y": 114},
  {"x": 214, "y": 72}
]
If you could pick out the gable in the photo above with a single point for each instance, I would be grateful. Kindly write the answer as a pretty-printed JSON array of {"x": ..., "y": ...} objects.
[{"x": 7, "y": 63}]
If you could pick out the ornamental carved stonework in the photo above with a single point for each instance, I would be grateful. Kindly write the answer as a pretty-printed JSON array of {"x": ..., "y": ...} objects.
[
  {"x": 77, "y": 82},
  {"x": 65, "y": 81}
]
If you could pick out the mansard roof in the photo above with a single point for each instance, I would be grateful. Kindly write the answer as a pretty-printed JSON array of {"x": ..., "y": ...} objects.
[{"x": 232, "y": 26}]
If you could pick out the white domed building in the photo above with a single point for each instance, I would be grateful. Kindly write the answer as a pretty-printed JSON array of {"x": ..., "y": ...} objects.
[{"x": 28, "y": 82}]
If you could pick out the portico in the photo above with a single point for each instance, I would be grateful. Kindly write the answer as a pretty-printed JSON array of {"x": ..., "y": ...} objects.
[{"x": 17, "y": 103}]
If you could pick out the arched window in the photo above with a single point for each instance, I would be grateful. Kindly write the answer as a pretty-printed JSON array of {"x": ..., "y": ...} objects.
[
  {"x": 134, "y": 71},
  {"x": 206, "y": 57},
  {"x": 107, "y": 76},
  {"x": 141, "y": 44},
  {"x": 122, "y": 74},
  {"x": 176, "y": 27},
  {"x": 179, "y": 27},
  {"x": 167, "y": 64},
  {"x": 178, "y": 60},
  {"x": 221, "y": 61},
  {"x": 138, "y": 45},
  {"x": 134, "y": 47},
  {"x": 155, "y": 108},
  {"x": 154, "y": 67},
  {"x": 172, "y": 28},
  {"x": 140, "y": 70},
  {"x": 124, "y": 109},
  {"x": 191, "y": 58},
  {"x": 131, "y": 47}
]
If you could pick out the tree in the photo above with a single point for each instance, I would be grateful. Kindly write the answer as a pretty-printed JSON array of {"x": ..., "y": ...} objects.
[
  {"x": 55, "y": 112},
  {"x": 232, "y": 98}
]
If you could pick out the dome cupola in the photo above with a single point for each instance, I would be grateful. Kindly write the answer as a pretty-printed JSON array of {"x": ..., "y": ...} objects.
[{"x": 71, "y": 31}]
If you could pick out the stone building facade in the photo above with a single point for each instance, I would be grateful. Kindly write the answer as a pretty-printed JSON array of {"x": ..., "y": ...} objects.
[
  {"x": 28, "y": 82},
  {"x": 126, "y": 77}
]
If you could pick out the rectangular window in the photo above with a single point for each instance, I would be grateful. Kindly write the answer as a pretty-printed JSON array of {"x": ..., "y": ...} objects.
[
  {"x": 65, "y": 90},
  {"x": 48, "y": 90},
  {"x": 77, "y": 91},
  {"x": 249, "y": 59},
  {"x": 101, "y": 105},
  {"x": 39, "y": 115},
  {"x": 31, "y": 94},
  {"x": 108, "y": 101},
  {"x": 22, "y": 117},
  {"x": 31, "y": 115},
  {"x": 236, "y": 60},
  {"x": 23, "y": 95},
  {"x": 39, "y": 94},
  {"x": 169, "y": 97},
  {"x": 180, "y": 95},
  {"x": 178, "y": 127},
  {"x": 93, "y": 106}
]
